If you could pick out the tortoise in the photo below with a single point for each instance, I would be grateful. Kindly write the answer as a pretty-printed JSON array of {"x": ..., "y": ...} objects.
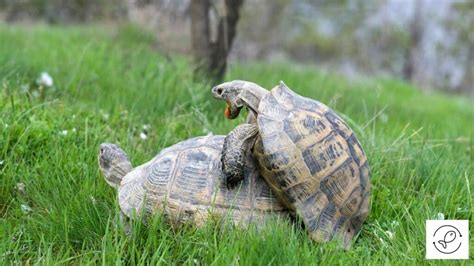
[
  {"x": 308, "y": 155},
  {"x": 185, "y": 183}
]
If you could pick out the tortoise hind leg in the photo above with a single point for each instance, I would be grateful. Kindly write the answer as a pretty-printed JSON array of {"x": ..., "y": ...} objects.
[{"x": 236, "y": 146}]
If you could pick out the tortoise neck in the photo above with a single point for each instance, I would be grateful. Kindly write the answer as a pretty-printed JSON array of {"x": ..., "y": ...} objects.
[
  {"x": 251, "y": 95},
  {"x": 117, "y": 172}
]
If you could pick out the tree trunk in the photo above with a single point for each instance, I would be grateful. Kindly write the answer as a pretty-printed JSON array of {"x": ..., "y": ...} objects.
[
  {"x": 468, "y": 79},
  {"x": 200, "y": 34},
  {"x": 416, "y": 31},
  {"x": 211, "y": 56}
]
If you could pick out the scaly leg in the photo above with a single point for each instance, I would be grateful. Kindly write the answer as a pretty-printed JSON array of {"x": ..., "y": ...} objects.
[{"x": 236, "y": 146}]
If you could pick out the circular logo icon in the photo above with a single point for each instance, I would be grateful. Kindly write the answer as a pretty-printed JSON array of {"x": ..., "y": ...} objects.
[{"x": 447, "y": 239}]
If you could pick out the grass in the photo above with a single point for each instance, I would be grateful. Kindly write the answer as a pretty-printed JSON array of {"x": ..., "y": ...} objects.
[{"x": 110, "y": 81}]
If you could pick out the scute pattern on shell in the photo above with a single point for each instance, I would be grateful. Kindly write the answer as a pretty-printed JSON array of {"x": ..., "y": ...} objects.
[
  {"x": 185, "y": 182},
  {"x": 314, "y": 163}
]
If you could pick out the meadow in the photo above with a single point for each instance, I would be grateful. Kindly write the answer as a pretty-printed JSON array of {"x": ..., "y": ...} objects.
[{"x": 112, "y": 85}]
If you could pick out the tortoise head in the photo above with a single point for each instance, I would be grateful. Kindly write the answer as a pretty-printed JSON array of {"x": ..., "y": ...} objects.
[
  {"x": 229, "y": 92},
  {"x": 113, "y": 163},
  {"x": 238, "y": 93}
]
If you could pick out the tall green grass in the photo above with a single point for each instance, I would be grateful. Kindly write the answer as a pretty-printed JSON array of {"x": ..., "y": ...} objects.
[{"x": 110, "y": 81}]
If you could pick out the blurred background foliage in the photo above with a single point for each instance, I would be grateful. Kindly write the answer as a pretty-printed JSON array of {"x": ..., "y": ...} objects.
[{"x": 427, "y": 42}]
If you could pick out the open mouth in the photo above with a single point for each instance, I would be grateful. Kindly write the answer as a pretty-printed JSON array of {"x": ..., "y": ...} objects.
[{"x": 231, "y": 113}]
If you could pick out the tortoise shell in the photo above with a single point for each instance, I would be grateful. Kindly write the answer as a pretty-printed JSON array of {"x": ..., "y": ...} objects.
[
  {"x": 185, "y": 182},
  {"x": 313, "y": 161}
]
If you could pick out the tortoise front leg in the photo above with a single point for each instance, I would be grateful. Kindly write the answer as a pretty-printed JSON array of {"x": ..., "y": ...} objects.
[{"x": 236, "y": 145}]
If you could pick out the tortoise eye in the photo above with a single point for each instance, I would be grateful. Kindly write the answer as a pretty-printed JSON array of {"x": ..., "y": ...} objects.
[
  {"x": 219, "y": 91},
  {"x": 101, "y": 150}
]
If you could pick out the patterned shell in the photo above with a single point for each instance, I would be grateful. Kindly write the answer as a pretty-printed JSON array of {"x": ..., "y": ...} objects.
[
  {"x": 185, "y": 182},
  {"x": 314, "y": 163}
]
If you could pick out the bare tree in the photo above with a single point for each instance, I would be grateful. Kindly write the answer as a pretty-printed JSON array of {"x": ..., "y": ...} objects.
[
  {"x": 416, "y": 31},
  {"x": 211, "y": 55}
]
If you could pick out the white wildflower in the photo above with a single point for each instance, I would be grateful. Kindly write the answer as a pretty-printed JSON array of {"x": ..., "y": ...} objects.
[
  {"x": 94, "y": 201},
  {"x": 45, "y": 80},
  {"x": 6, "y": 125},
  {"x": 389, "y": 234},
  {"x": 440, "y": 216},
  {"x": 105, "y": 115},
  {"x": 73, "y": 116},
  {"x": 146, "y": 126},
  {"x": 63, "y": 132},
  {"x": 143, "y": 136},
  {"x": 25, "y": 208},
  {"x": 381, "y": 240},
  {"x": 1, "y": 162},
  {"x": 20, "y": 187},
  {"x": 74, "y": 130}
]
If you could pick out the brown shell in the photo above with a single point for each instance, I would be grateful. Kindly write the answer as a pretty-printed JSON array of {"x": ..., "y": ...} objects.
[
  {"x": 314, "y": 163},
  {"x": 185, "y": 182}
]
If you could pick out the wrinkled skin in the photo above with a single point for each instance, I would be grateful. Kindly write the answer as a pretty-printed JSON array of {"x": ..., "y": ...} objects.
[
  {"x": 113, "y": 163},
  {"x": 239, "y": 142}
]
